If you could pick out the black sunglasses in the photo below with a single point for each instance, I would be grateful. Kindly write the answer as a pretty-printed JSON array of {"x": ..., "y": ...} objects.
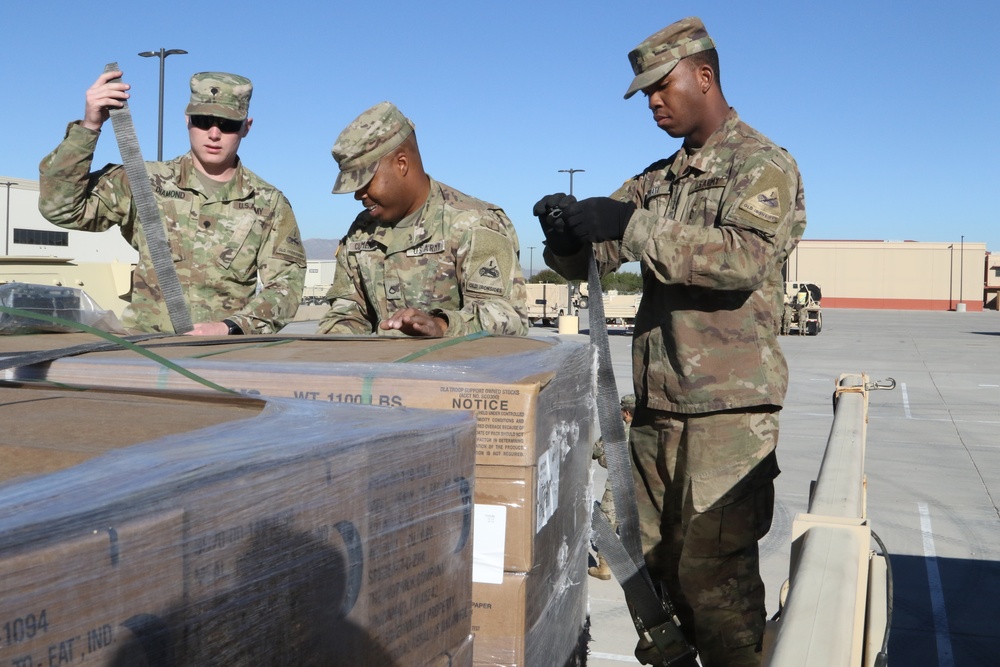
[{"x": 225, "y": 125}]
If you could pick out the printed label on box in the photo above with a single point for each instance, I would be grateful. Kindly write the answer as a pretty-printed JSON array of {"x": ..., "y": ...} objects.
[{"x": 488, "y": 543}]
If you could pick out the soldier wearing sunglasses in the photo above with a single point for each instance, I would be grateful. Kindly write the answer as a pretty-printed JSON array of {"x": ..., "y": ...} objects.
[{"x": 228, "y": 229}]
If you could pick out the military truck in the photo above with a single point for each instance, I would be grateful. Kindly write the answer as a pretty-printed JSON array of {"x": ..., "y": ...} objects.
[
  {"x": 318, "y": 280},
  {"x": 546, "y": 302},
  {"x": 802, "y": 313},
  {"x": 619, "y": 309},
  {"x": 107, "y": 283}
]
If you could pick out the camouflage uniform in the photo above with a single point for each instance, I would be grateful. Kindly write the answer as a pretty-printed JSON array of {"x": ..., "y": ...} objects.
[
  {"x": 456, "y": 257},
  {"x": 221, "y": 243},
  {"x": 711, "y": 231},
  {"x": 608, "y": 499}
]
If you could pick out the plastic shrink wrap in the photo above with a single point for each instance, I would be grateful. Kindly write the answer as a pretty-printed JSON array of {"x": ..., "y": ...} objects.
[
  {"x": 164, "y": 529},
  {"x": 533, "y": 401}
]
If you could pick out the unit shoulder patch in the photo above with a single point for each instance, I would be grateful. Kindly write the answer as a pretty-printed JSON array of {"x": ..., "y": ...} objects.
[
  {"x": 490, "y": 264},
  {"x": 291, "y": 250},
  {"x": 766, "y": 202}
]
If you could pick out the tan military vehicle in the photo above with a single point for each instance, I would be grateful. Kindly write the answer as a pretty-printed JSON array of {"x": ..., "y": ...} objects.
[
  {"x": 107, "y": 283},
  {"x": 802, "y": 313}
]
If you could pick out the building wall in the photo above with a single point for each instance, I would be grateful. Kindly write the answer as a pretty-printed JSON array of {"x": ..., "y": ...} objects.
[
  {"x": 993, "y": 281},
  {"x": 22, "y": 199},
  {"x": 904, "y": 275}
]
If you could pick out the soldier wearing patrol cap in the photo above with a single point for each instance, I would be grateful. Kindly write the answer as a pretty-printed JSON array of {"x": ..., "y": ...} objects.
[
  {"x": 421, "y": 259},
  {"x": 228, "y": 229},
  {"x": 711, "y": 226}
]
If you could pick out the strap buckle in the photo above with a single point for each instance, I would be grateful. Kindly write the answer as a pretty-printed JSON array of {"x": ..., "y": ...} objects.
[{"x": 664, "y": 645}]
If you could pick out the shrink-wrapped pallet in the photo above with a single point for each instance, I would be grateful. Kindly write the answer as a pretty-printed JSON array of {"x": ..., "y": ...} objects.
[
  {"x": 532, "y": 397},
  {"x": 174, "y": 529}
]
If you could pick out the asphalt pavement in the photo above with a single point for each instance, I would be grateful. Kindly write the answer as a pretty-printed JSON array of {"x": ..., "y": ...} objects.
[{"x": 933, "y": 470}]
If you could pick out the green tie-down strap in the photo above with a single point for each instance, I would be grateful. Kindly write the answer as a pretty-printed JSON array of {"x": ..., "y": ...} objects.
[
  {"x": 114, "y": 342},
  {"x": 369, "y": 380}
]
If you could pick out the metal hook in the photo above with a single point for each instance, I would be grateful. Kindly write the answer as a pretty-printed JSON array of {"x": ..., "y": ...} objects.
[{"x": 888, "y": 383}]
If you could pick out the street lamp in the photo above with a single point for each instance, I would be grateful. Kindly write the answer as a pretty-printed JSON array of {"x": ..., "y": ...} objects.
[
  {"x": 531, "y": 261},
  {"x": 961, "y": 270},
  {"x": 570, "y": 172},
  {"x": 6, "y": 238},
  {"x": 162, "y": 55},
  {"x": 951, "y": 275}
]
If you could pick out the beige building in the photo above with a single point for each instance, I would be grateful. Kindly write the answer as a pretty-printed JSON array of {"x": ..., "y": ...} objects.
[
  {"x": 900, "y": 275},
  {"x": 905, "y": 275},
  {"x": 992, "y": 290},
  {"x": 28, "y": 234}
]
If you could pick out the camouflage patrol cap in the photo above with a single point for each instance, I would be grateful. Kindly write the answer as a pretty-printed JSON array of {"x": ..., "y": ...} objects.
[
  {"x": 371, "y": 136},
  {"x": 628, "y": 402},
  {"x": 219, "y": 94},
  {"x": 659, "y": 53}
]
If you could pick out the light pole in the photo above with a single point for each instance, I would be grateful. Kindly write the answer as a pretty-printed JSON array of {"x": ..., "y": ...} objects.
[
  {"x": 531, "y": 261},
  {"x": 570, "y": 172},
  {"x": 162, "y": 55},
  {"x": 6, "y": 238},
  {"x": 961, "y": 270},
  {"x": 951, "y": 275}
]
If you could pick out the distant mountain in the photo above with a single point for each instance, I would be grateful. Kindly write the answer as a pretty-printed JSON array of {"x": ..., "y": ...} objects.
[{"x": 321, "y": 248}]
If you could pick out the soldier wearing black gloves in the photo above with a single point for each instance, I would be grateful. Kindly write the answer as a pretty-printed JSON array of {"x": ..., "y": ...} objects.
[
  {"x": 568, "y": 223},
  {"x": 711, "y": 227}
]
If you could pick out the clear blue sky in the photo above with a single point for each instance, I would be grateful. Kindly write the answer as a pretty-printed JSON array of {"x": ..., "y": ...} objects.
[{"x": 889, "y": 108}]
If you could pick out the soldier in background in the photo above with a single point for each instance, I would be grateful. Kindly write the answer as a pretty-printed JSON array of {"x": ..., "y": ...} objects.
[
  {"x": 421, "y": 259},
  {"x": 601, "y": 570},
  {"x": 711, "y": 226},
  {"x": 227, "y": 228}
]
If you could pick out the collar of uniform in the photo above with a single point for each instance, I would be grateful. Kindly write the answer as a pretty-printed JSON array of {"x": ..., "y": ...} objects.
[
  {"x": 238, "y": 187},
  {"x": 423, "y": 223},
  {"x": 705, "y": 158}
]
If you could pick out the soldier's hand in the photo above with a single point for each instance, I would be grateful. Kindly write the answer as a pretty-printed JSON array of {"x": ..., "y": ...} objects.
[
  {"x": 209, "y": 329},
  {"x": 108, "y": 92},
  {"x": 597, "y": 219},
  {"x": 549, "y": 211},
  {"x": 414, "y": 322}
]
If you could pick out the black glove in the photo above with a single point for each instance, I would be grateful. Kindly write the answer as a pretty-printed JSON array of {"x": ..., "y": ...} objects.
[
  {"x": 597, "y": 219},
  {"x": 549, "y": 211}
]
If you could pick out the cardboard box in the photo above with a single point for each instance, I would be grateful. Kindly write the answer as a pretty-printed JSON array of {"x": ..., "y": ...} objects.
[
  {"x": 89, "y": 597},
  {"x": 530, "y": 619},
  {"x": 312, "y": 533},
  {"x": 47, "y": 430},
  {"x": 522, "y": 390},
  {"x": 533, "y": 400},
  {"x": 544, "y": 511},
  {"x": 460, "y": 656},
  {"x": 379, "y": 542}
]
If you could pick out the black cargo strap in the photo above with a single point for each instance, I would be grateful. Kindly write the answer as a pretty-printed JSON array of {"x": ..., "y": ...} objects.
[
  {"x": 650, "y": 607},
  {"x": 18, "y": 359},
  {"x": 149, "y": 216}
]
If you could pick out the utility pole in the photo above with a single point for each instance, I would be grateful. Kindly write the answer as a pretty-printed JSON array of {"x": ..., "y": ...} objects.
[
  {"x": 531, "y": 261},
  {"x": 570, "y": 172},
  {"x": 162, "y": 55}
]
